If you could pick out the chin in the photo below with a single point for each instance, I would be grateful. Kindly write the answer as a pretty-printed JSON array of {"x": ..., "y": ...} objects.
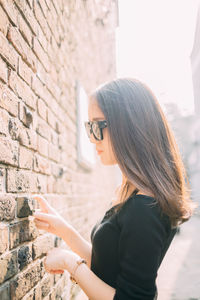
[{"x": 108, "y": 163}]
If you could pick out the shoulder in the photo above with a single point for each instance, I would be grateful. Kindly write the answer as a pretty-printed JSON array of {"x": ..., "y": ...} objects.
[
  {"x": 140, "y": 203},
  {"x": 141, "y": 209}
]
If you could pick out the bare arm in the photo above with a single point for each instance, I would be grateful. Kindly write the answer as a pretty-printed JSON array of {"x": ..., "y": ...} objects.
[
  {"x": 48, "y": 219},
  {"x": 93, "y": 286},
  {"x": 77, "y": 243}
]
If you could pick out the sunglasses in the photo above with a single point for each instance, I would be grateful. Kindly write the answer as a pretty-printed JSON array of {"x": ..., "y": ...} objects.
[{"x": 96, "y": 128}]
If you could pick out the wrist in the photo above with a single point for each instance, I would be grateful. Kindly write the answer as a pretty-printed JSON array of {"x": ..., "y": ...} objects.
[
  {"x": 70, "y": 260},
  {"x": 80, "y": 261}
]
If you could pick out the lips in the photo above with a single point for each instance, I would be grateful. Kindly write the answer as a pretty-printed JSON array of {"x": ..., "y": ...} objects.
[{"x": 99, "y": 151}]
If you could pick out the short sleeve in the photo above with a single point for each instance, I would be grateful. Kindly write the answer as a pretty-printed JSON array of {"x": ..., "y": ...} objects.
[{"x": 141, "y": 241}]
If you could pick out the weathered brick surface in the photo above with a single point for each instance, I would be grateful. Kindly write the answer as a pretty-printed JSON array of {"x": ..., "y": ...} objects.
[
  {"x": 25, "y": 207},
  {"x": 25, "y": 281},
  {"x": 21, "y": 232},
  {"x": 4, "y": 237},
  {"x": 8, "y": 52},
  {"x": 5, "y": 291},
  {"x": 8, "y": 265},
  {"x": 42, "y": 244},
  {"x": 21, "y": 181},
  {"x": 25, "y": 158},
  {"x": 8, "y": 100},
  {"x": 8, "y": 151},
  {"x": 45, "y": 47},
  {"x": 4, "y": 22},
  {"x": 7, "y": 207},
  {"x": 3, "y": 71},
  {"x": 24, "y": 256}
]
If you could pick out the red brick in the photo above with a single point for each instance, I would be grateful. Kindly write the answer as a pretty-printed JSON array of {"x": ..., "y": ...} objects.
[
  {"x": 41, "y": 165},
  {"x": 22, "y": 47},
  {"x": 42, "y": 145},
  {"x": 25, "y": 207},
  {"x": 52, "y": 19},
  {"x": 25, "y": 158},
  {"x": 51, "y": 185},
  {"x": 37, "y": 292},
  {"x": 28, "y": 13},
  {"x": 58, "y": 6},
  {"x": 44, "y": 8},
  {"x": 28, "y": 138},
  {"x": 24, "y": 256},
  {"x": 2, "y": 180},
  {"x": 8, "y": 100},
  {"x": 30, "y": 3},
  {"x": 24, "y": 71},
  {"x": 4, "y": 22},
  {"x": 42, "y": 38},
  {"x": 7, "y": 207},
  {"x": 42, "y": 245},
  {"x": 5, "y": 291},
  {"x": 54, "y": 137},
  {"x": 42, "y": 183},
  {"x": 42, "y": 109},
  {"x": 39, "y": 88},
  {"x": 4, "y": 120},
  {"x": 46, "y": 284},
  {"x": 8, "y": 52},
  {"x": 3, "y": 71},
  {"x": 25, "y": 281},
  {"x": 14, "y": 127},
  {"x": 21, "y": 181},
  {"x": 4, "y": 238},
  {"x": 25, "y": 115},
  {"x": 22, "y": 90},
  {"x": 25, "y": 30},
  {"x": 11, "y": 10},
  {"x": 8, "y": 265},
  {"x": 41, "y": 54},
  {"x": 22, "y": 232},
  {"x": 54, "y": 153},
  {"x": 53, "y": 87},
  {"x": 43, "y": 129},
  {"x": 41, "y": 20},
  {"x": 8, "y": 151},
  {"x": 51, "y": 119}
]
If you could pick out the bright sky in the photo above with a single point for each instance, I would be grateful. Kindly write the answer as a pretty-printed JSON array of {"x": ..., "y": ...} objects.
[{"x": 154, "y": 43}]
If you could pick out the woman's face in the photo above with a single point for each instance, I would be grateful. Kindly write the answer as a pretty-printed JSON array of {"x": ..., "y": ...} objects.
[{"x": 95, "y": 114}]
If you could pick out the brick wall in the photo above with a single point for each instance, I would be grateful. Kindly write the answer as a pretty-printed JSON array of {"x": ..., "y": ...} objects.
[{"x": 45, "y": 46}]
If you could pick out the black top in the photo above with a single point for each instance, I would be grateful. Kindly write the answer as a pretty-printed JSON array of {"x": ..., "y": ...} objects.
[{"x": 128, "y": 247}]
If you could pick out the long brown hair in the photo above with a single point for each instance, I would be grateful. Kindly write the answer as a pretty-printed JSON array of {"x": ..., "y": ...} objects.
[{"x": 144, "y": 146}]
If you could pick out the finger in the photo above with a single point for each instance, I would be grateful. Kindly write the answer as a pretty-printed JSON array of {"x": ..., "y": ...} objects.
[
  {"x": 44, "y": 217},
  {"x": 41, "y": 225},
  {"x": 43, "y": 203},
  {"x": 56, "y": 271}
]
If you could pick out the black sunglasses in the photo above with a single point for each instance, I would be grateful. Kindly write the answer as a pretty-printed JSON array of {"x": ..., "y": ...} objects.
[{"x": 95, "y": 127}]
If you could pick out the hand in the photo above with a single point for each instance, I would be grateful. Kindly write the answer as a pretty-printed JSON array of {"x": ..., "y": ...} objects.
[
  {"x": 58, "y": 260},
  {"x": 48, "y": 219}
]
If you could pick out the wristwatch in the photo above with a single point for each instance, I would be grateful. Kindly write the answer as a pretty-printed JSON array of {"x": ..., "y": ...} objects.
[{"x": 79, "y": 262}]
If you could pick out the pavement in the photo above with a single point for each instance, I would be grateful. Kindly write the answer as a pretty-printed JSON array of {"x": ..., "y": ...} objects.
[{"x": 179, "y": 273}]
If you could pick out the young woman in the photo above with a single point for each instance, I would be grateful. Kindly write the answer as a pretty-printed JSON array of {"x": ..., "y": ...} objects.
[{"x": 127, "y": 246}]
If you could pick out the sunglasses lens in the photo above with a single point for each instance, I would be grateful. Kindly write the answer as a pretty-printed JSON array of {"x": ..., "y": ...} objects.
[
  {"x": 87, "y": 127},
  {"x": 96, "y": 131}
]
